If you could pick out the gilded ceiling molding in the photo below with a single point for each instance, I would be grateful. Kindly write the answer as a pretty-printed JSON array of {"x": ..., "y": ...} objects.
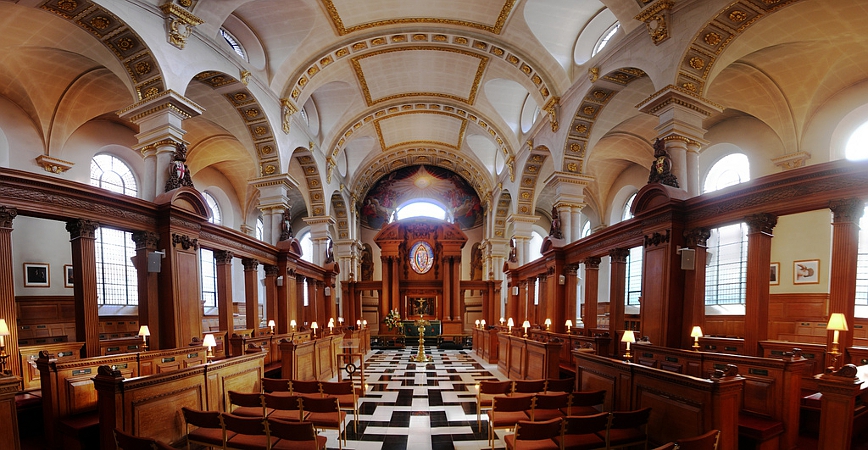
[
  {"x": 496, "y": 28},
  {"x": 118, "y": 37},
  {"x": 716, "y": 35},
  {"x": 656, "y": 18},
  {"x": 474, "y": 87},
  {"x": 529, "y": 177},
  {"x": 287, "y": 109},
  {"x": 552, "y": 108},
  {"x": 316, "y": 197},
  {"x": 501, "y": 214},
  {"x": 339, "y": 210},
  {"x": 589, "y": 109},
  {"x": 179, "y": 23},
  {"x": 443, "y": 40},
  {"x": 53, "y": 165},
  {"x": 253, "y": 116},
  {"x": 792, "y": 161},
  {"x": 450, "y": 159},
  {"x": 376, "y": 116}
]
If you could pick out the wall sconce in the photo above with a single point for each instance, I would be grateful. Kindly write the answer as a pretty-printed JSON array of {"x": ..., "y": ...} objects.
[
  {"x": 837, "y": 323},
  {"x": 510, "y": 324},
  {"x": 313, "y": 327},
  {"x": 525, "y": 325},
  {"x": 562, "y": 280},
  {"x": 4, "y": 331},
  {"x": 548, "y": 324},
  {"x": 696, "y": 333},
  {"x": 292, "y": 325},
  {"x": 209, "y": 342},
  {"x": 569, "y": 324},
  {"x": 629, "y": 338},
  {"x": 327, "y": 291},
  {"x": 482, "y": 323},
  {"x": 515, "y": 290},
  {"x": 271, "y": 325},
  {"x": 144, "y": 332},
  {"x": 280, "y": 281}
]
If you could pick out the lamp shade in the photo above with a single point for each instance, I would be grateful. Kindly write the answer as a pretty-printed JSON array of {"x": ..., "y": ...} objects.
[
  {"x": 209, "y": 341},
  {"x": 477, "y": 322},
  {"x": 4, "y": 329},
  {"x": 569, "y": 323},
  {"x": 510, "y": 322},
  {"x": 144, "y": 331},
  {"x": 837, "y": 322},
  {"x": 525, "y": 324},
  {"x": 314, "y": 326},
  {"x": 696, "y": 332},
  {"x": 271, "y": 323},
  {"x": 548, "y": 322},
  {"x": 628, "y": 336},
  {"x": 482, "y": 322},
  {"x": 292, "y": 323}
]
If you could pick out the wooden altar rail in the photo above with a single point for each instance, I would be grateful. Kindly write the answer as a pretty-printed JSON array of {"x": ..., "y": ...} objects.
[
  {"x": 63, "y": 351},
  {"x": 681, "y": 405},
  {"x": 8, "y": 413},
  {"x": 311, "y": 360},
  {"x": 268, "y": 344},
  {"x": 594, "y": 341},
  {"x": 527, "y": 359},
  {"x": 772, "y": 387},
  {"x": 67, "y": 389},
  {"x": 151, "y": 406}
]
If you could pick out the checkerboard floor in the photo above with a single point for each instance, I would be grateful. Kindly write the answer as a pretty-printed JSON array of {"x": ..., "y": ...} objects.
[{"x": 423, "y": 406}]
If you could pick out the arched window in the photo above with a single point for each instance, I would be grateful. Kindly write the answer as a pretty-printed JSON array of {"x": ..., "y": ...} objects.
[
  {"x": 216, "y": 217},
  {"x": 536, "y": 240},
  {"x": 857, "y": 145},
  {"x": 208, "y": 270},
  {"x": 116, "y": 278},
  {"x": 233, "y": 42},
  {"x": 633, "y": 285},
  {"x": 627, "y": 214},
  {"x": 605, "y": 38},
  {"x": 110, "y": 173},
  {"x": 726, "y": 270},
  {"x": 421, "y": 209},
  {"x": 260, "y": 229},
  {"x": 862, "y": 268},
  {"x": 306, "y": 244},
  {"x": 586, "y": 229}
]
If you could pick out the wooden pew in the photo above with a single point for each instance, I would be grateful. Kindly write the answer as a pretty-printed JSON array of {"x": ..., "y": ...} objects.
[
  {"x": 150, "y": 406},
  {"x": 681, "y": 405},
  {"x": 160, "y": 361},
  {"x": 65, "y": 351},
  {"x": 8, "y": 416},
  {"x": 121, "y": 345},
  {"x": 525, "y": 359},
  {"x": 311, "y": 360}
]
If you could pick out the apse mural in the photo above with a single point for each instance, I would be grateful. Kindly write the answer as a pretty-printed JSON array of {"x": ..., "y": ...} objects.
[{"x": 421, "y": 182}]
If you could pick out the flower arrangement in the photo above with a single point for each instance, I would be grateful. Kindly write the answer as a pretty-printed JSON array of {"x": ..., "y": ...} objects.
[{"x": 393, "y": 319}]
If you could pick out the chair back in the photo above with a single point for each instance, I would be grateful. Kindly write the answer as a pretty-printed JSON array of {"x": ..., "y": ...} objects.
[
  {"x": 528, "y": 386},
  {"x": 292, "y": 431},
  {"x": 320, "y": 404},
  {"x": 596, "y": 423},
  {"x": 251, "y": 426},
  {"x": 495, "y": 387},
  {"x": 510, "y": 404},
  {"x": 283, "y": 402},
  {"x": 126, "y": 441},
  {"x": 275, "y": 385},
  {"x": 305, "y": 387},
  {"x": 202, "y": 419},
  {"x": 560, "y": 385},
  {"x": 247, "y": 399},
  {"x": 552, "y": 401},
  {"x": 337, "y": 387},
  {"x": 707, "y": 441},
  {"x": 630, "y": 419},
  {"x": 589, "y": 398},
  {"x": 526, "y": 430}
]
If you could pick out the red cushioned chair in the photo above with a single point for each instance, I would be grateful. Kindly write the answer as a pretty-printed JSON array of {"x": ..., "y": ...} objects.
[
  {"x": 250, "y": 433},
  {"x": 486, "y": 390},
  {"x": 550, "y": 406},
  {"x": 584, "y": 403},
  {"x": 207, "y": 431},
  {"x": 627, "y": 428},
  {"x": 707, "y": 441},
  {"x": 583, "y": 432},
  {"x": 506, "y": 411},
  {"x": 295, "y": 435},
  {"x": 534, "y": 435}
]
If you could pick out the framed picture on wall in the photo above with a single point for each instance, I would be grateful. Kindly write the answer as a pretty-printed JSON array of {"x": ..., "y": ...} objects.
[
  {"x": 36, "y": 275},
  {"x": 806, "y": 271},
  {"x": 775, "y": 274},
  {"x": 68, "y": 280}
]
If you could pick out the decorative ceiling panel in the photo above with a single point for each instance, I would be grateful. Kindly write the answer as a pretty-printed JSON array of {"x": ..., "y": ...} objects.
[
  {"x": 353, "y": 15},
  {"x": 421, "y": 128}
]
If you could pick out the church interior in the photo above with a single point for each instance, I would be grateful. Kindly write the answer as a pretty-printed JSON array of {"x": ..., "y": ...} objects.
[{"x": 426, "y": 210}]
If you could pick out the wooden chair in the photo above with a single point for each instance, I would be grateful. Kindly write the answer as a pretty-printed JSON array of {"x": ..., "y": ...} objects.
[
  {"x": 528, "y": 386},
  {"x": 556, "y": 385},
  {"x": 325, "y": 413},
  {"x": 707, "y": 441},
  {"x": 250, "y": 433},
  {"x": 667, "y": 446},
  {"x": 627, "y": 428},
  {"x": 584, "y": 432},
  {"x": 345, "y": 392},
  {"x": 276, "y": 385},
  {"x": 306, "y": 388},
  {"x": 550, "y": 406},
  {"x": 534, "y": 435},
  {"x": 284, "y": 407},
  {"x": 295, "y": 435},
  {"x": 506, "y": 411},
  {"x": 485, "y": 391},
  {"x": 247, "y": 404},
  {"x": 208, "y": 429},
  {"x": 126, "y": 441},
  {"x": 584, "y": 403}
]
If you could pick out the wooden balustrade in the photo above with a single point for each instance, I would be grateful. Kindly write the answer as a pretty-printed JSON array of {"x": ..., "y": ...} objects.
[{"x": 151, "y": 406}]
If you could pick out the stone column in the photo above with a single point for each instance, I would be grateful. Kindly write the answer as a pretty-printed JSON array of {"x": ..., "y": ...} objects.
[
  {"x": 82, "y": 234},
  {"x": 694, "y": 187},
  {"x": 319, "y": 236},
  {"x": 617, "y": 293},
  {"x": 592, "y": 277},
  {"x": 576, "y": 222},
  {"x": 694, "y": 284},
  {"x": 564, "y": 213},
  {"x": 759, "y": 255},
  {"x": 251, "y": 292},
  {"x": 7, "y": 292},
  {"x": 845, "y": 259},
  {"x": 148, "y": 284},
  {"x": 223, "y": 260},
  {"x": 159, "y": 119},
  {"x": 522, "y": 233}
]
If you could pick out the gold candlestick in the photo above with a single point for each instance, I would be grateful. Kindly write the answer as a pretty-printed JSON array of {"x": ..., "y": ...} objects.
[{"x": 420, "y": 355}]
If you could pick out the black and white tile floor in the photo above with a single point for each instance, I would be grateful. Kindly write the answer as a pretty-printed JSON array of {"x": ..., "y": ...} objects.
[{"x": 420, "y": 406}]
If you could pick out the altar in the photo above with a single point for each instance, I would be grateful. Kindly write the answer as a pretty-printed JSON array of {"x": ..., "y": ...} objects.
[{"x": 412, "y": 331}]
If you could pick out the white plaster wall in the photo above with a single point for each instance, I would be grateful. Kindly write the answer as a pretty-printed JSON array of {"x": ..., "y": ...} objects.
[{"x": 40, "y": 241}]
